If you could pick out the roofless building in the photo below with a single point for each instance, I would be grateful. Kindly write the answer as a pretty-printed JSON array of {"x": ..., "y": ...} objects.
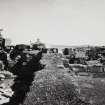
[{"x": 2, "y": 40}]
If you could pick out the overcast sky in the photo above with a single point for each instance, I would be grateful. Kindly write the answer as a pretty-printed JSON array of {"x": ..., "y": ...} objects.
[{"x": 65, "y": 22}]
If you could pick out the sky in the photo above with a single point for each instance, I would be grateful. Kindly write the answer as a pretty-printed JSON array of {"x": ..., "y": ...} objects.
[{"x": 62, "y": 22}]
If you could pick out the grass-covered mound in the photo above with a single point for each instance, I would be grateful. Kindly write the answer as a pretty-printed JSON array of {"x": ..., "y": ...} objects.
[{"x": 52, "y": 86}]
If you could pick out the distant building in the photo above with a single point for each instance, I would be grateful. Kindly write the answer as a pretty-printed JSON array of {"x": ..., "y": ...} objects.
[
  {"x": 2, "y": 41},
  {"x": 7, "y": 42},
  {"x": 38, "y": 45},
  {"x": 80, "y": 54}
]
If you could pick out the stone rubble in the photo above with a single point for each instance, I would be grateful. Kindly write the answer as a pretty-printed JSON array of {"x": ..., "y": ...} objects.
[{"x": 5, "y": 90}]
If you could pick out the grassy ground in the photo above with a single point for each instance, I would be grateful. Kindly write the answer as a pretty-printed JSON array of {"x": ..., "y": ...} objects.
[
  {"x": 58, "y": 86},
  {"x": 92, "y": 89},
  {"x": 53, "y": 86}
]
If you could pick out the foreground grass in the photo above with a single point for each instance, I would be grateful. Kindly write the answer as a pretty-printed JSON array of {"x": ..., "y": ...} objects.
[
  {"x": 92, "y": 90},
  {"x": 53, "y": 86}
]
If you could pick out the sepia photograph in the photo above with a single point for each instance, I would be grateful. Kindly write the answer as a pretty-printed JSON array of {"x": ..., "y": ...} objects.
[{"x": 52, "y": 52}]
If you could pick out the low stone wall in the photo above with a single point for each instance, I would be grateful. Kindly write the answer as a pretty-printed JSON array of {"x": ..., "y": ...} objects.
[{"x": 87, "y": 68}]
